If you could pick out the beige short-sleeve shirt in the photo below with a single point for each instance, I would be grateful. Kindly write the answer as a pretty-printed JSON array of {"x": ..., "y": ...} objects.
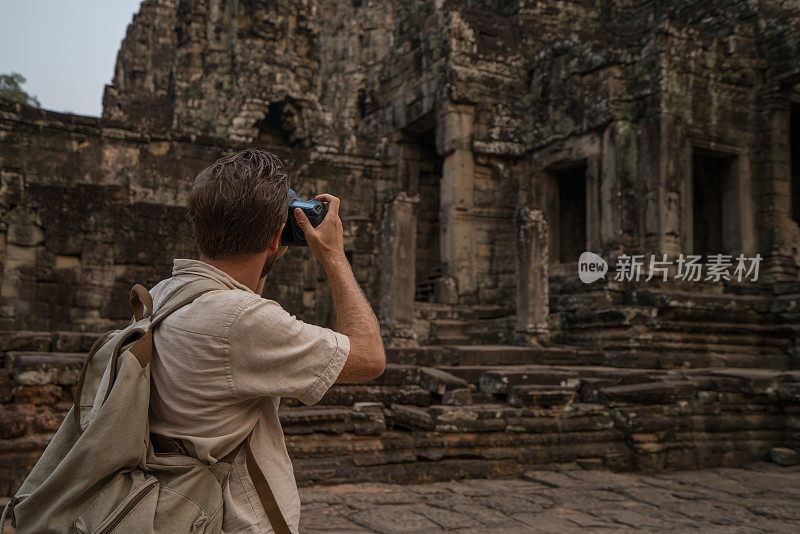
[{"x": 222, "y": 363}]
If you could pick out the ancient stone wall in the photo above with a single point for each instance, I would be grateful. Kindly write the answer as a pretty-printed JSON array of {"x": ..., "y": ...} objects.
[
  {"x": 639, "y": 93},
  {"x": 89, "y": 208}
]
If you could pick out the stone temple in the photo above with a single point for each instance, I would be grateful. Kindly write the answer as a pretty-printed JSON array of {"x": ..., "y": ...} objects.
[{"x": 479, "y": 148}]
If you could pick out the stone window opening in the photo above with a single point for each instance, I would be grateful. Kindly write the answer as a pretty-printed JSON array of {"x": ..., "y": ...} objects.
[
  {"x": 282, "y": 125},
  {"x": 270, "y": 128},
  {"x": 715, "y": 203},
  {"x": 361, "y": 106},
  {"x": 794, "y": 150}
]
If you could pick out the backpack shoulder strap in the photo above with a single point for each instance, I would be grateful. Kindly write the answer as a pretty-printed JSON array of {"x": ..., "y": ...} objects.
[
  {"x": 140, "y": 298},
  {"x": 264, "y": 491},
  {"x": 265, "y": 494}
]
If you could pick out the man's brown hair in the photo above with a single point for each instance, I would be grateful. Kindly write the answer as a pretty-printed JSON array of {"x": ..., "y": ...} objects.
[{"x": 237, "y": 204}]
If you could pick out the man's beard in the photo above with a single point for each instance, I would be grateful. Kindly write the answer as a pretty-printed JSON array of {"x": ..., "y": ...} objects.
[{"x": 268, "y": 263}]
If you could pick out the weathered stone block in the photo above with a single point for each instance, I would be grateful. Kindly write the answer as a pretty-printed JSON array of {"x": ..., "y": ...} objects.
[
  {"x": 411, "y": 417},
  {"x": 784, "y": 456},
  {"x": 368, "y": 418},
  {"x": 590, "y": 388},
  {"x": 470, "y": 373},
  {"x": 6, "y": 386},
  {"x": 544, "y": 396},
  {"x": 471, "y": 425},
  {"x": 398, "y": 375},
  {"x": 74, "y": 341},
  {"x": 437, "y": 381},
  {"x": 40, "y": 394},
  {"x": 347, "y": 394},
  {"x": 26, "y": 341},
  {"x": 472, "y": 418},
  {"x": 789, "y": 392},
  {"x": 32, "y": 368},
  {"x": 15, "y": 422},
  {"x": 499, "y": 381},
  {"x": 754, "y": 381},
  {"x": 648, "y": 393},
  {"x": 457, "y": 397}
]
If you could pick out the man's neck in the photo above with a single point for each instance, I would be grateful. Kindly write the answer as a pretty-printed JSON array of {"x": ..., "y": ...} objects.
[{"x": 244, "y": 269}]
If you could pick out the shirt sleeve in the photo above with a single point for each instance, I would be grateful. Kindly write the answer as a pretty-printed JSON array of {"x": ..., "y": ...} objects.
[{"x": 272, "y": 353}]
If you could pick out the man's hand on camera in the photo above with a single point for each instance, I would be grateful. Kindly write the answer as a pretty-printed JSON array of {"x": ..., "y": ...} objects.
[{"x": 326, "y": 241}]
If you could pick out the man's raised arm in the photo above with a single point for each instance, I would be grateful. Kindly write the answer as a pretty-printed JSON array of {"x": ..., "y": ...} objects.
[{"x": 354, "y": 315}]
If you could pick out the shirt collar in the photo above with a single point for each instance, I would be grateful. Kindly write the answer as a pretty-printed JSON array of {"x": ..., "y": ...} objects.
[{"x": 187, "y": 267}]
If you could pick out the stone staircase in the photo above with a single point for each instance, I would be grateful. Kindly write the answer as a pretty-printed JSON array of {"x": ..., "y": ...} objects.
[
  {"x": 447, "y": 412},
  {"x": 674, "y": 326},
  {"x": 446, "y": 324}
]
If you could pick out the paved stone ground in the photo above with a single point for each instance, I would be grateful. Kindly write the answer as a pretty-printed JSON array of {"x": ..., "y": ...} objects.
[{"x": 758, "y": 498}]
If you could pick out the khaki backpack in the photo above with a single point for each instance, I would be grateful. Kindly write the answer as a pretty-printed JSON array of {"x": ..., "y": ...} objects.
[{"x": 101, "y": 474}]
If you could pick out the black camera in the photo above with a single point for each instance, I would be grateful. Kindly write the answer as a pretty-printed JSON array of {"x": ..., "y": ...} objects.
[{"x": 314, "y": 209}]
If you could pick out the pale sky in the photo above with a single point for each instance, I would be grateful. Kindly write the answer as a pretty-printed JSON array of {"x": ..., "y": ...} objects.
[{"x": 65, "y": 48}]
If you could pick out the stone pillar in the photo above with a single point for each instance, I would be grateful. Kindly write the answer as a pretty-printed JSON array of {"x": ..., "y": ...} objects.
[
  {"x": 619, "y": 216},
  {"x": 532, "y": 277},
  {"x": 454, "y": 142},
  {"x": 777, "y": 233},
  {"x": 398, "y": 268}
]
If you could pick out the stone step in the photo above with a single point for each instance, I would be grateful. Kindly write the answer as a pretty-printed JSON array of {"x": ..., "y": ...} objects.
[
  {"x": 560, "y": 302},
  {"x": 446, "y": 332},
  {"x": 449, "y": 326},
  {"x": 457, "y": 355},
  {"x": 487, "y": 336},
  {"x": 438, "y": 381},
  {"x": 492, "y": 331},
  {"x": 431, "y": 311},
  {"x": 698, "y": 300},
  {"x": 347, "y": 395},
  {"x": 620, "y": 418},
  {"x": 649, "y": 393},
  {"x": 542, "y": 396},
  {"x": 483, "y": 312},
  {"x": 499, "y": 381},
  {"x": 363, "y": 418},
  {"x": 688, "y": 333},
  {"x": 693, "y": 359},
  {"x": 450, "y": 339}
]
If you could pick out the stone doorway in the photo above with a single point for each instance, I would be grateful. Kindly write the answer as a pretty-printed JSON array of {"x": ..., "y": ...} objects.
[
  {"x": 571, "y": 229},
  {"x": 564, "y": 201},
  {"x": 715, "y": 201},
  {"x": 428, "y": 253}
]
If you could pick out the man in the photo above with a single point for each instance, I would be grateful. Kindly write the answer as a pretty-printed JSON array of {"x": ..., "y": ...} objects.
[{"x": 224, "y": 361}]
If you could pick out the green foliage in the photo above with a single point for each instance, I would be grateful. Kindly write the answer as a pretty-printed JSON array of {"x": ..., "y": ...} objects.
[{"x": 11, "y": 88}]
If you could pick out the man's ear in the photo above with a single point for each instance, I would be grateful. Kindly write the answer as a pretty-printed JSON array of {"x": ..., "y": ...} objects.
[{"x": 276, "y": 239}]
